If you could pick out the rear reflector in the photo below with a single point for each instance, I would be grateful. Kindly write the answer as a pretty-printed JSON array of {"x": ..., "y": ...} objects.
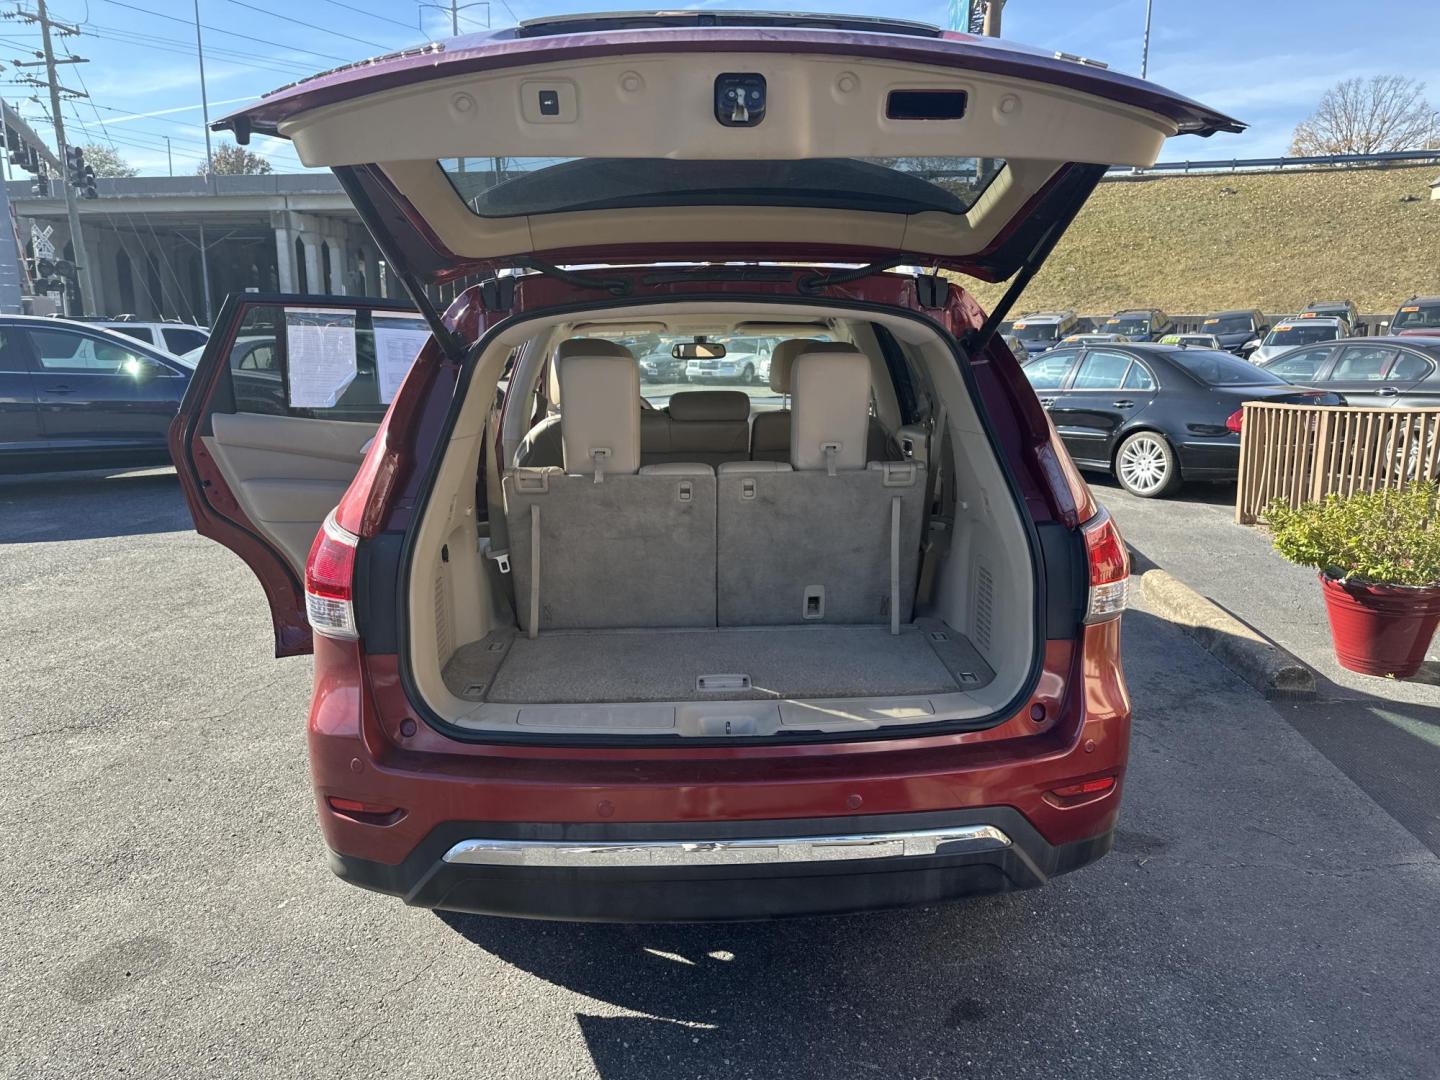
[
  {"x": 1085, "y": 789},
  {"x": 1109, "y": 562},
  {"x": 363, "y": 812},
  {"x": 329, "y": 582}
]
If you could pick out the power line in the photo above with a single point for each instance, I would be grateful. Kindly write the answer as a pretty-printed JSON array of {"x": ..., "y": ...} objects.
[
  {"x": 372, "y": 14},
  {"x": 184, "y": 48},
  {"x": 232, "y": 33},
  {"x": 308, "y": 25}
]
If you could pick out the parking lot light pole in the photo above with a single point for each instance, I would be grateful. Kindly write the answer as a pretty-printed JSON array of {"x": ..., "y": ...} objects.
[{"x": 1145, "y": 48}]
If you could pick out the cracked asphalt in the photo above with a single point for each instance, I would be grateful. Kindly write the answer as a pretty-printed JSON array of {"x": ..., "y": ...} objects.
[{"x": 167, "y": 911}]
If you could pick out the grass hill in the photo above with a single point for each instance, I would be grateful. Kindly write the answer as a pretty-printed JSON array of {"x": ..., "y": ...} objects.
[{"x": 1273, "y": 241}]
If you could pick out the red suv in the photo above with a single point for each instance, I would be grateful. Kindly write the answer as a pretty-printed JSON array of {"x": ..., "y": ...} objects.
[{"x": 588, "y": 649}]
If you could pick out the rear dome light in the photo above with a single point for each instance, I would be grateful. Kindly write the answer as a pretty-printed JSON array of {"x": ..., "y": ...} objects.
[
  {"x": 1109, "y": 563},
  {"x": 1235, "y": 421},
  {"x": 329, "y": 582}
]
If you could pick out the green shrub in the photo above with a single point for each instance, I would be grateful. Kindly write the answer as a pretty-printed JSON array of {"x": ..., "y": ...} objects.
[{"x": 1381, "y": 538}]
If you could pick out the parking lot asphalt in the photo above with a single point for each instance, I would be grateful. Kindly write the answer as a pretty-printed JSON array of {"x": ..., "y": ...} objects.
[{"x": 168, "y": 911}]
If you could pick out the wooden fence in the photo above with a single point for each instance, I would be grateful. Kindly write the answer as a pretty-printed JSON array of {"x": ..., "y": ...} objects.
[{"x": 1301, "y": 453}]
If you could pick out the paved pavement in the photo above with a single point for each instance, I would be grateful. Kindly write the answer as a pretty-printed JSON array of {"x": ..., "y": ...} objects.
[
  {"x": 1384, "y": 733},
  {"x": 167, "y": 911}
]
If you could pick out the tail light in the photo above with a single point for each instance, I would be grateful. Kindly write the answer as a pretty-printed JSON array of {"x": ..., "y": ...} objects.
[
  {"x": 1109, "y": 563},
  {"x": 1083, "y": 792},
  {"x": 1235, "y": 421},
  {"x": 330, "y": 581}
]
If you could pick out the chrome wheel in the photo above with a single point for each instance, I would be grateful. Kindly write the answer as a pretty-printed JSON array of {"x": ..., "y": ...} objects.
[{"x": 1145, "y": 465}]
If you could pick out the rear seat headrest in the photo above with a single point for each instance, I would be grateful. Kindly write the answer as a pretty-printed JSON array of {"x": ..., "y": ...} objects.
[
  {"x": 728, "y": 405},
  {"x": 830, "y": 408},
  {"x": 593, "y": 346},
  {"x": 600, "y": 423},
  {"x": 782, "y": 358}
]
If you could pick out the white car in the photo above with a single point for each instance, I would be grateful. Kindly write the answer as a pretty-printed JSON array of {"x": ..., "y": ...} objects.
[
  {"x": 175, "y": 338},
  {"x": 1288, "y": 333}
]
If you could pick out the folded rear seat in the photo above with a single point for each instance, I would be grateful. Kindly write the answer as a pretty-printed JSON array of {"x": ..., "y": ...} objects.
[
  {"x": 602, "y": 542},
  {"x": 830, "y": 537},
  {"x": 770, "y": 432}
]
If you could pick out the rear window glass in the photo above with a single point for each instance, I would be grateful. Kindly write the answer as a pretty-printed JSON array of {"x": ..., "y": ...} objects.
[
  {"x": 1221, "y": 369},
  {"x": 507, "y": 187},
  {"x": 139, "y": 333}
]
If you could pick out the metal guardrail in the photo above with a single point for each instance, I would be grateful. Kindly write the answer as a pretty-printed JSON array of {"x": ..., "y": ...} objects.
[
  {"x": 1279, "y": 163},
  {"x": 1301, "y": 453}
]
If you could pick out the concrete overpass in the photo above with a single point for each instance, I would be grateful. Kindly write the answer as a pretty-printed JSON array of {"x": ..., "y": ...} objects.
[{"x": 145, "y": 237}]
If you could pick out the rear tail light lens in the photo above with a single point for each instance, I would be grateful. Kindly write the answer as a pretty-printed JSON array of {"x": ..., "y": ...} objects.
[
  {"x": 1084, "y": 791},
  {"x": 1235, "y": 420},
  {"x": 364, "y": 812},
  {"x": 1109, "y": 563},
  {"x": 330, "y": 581}
]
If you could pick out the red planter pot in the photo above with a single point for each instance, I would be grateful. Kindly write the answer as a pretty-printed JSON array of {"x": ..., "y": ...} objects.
[{"x": 1381, "y": 629}]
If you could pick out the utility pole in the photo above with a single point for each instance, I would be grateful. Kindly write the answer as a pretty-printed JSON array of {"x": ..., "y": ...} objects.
[
  {"x": 992, "y": 17},
  {"x": 1145, "y": 49},
  {"x": 169, "y": 159},
  {"x": 204, "y": 102},
  {"x": 72, "y": 214}
]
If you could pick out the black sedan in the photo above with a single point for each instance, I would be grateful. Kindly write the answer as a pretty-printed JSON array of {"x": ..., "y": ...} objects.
[
  {"x": 75, "y": 396},
  {"x": 661, "y": 366},
  {"x": 1155, "y": 415}
]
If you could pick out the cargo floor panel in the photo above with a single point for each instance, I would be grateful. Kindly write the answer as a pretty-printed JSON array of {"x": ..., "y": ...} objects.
[{"x": 747, "y": 663}]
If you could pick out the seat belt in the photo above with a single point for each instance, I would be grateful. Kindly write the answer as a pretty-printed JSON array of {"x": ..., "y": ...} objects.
[
  {"x": 532, "y": 628},
  {"x": 935, "y": 462},
  {"x": 895, "y": 565},
  {"x": 498, "y": 550}
]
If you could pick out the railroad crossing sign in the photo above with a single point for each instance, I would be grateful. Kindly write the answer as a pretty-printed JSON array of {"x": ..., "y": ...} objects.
[{"x": 40, "y": 240}]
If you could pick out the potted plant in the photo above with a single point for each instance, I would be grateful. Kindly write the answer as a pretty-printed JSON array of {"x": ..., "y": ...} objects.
[{"x": 1378, "y": 554}]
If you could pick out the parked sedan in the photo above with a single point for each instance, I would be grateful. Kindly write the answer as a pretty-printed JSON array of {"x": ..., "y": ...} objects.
[
  {"x": 661, "y": 366},
  {"x": 1236, "y": 329},
  {"x": 74, "y": 396},
  {"x": 1155, "y": 415},
  {"x": 1372, "y": 371}
]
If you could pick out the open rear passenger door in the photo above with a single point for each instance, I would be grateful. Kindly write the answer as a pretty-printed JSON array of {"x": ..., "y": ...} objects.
[{"x": 283, "y": 406}]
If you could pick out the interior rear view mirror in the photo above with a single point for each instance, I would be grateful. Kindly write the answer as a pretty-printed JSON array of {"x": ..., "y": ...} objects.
[{"x": 698, "y": 350}]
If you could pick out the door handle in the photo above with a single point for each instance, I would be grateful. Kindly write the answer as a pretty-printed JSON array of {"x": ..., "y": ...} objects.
[
  {"x": 1047, "y": 401},
  {"x": 61, "y": 389},
  {"x": 1387, "y": 391},
  {"x": 1122, "y": 404}
]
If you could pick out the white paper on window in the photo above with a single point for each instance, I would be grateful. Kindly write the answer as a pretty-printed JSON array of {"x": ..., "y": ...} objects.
[
  {"x": 320, "y": 345},
  {"x": 399, "y": 337}
]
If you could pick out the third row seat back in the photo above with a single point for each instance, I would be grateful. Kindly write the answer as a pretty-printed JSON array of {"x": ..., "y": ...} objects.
[
  {"x": 770, "y": 430},
  {"x": 604, "y": 543},
  {"x": 833, "y": 538},
  {"x": 709, "y": 426}
]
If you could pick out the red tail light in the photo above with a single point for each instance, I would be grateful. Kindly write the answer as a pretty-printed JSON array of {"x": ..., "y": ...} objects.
[
  {"x": 1109, "y": 562},
  {"x": 1083, "y": 792},
  {"x": 330, "y": 581},
  {"x": 1235, "y": 421}
]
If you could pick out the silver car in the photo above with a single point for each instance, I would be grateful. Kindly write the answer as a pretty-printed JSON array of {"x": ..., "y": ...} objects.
[{"x": 1288, "y": 333}]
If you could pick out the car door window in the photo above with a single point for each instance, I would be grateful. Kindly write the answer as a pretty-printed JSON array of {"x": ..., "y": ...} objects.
[
  {"x": 1048, "y": 372},
  {"x": 1408, "y": 367},
  {"x": 14, "y": 357},
  {"x": 68, "y": 352},
  {"x": 1101, "y": 370},
  {"x": 1361, "y": 363},
  {"x": 1302, "y": 365},
  {"x": 180, "y": 339},
  {"x": 139, "y": 333},
  {"x": 263, "y": 370},
  {"x": 1138, "y": 378}
]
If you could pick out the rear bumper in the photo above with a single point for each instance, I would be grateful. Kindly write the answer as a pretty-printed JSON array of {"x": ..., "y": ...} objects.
[{"x": 707, "y": 872}]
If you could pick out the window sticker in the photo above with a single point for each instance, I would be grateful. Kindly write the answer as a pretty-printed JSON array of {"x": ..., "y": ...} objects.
[
  {"x": 320, "y": 344},
  {"x": 399, "y": 337}
]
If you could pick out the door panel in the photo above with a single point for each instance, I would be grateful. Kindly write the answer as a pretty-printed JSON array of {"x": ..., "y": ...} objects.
[
  {"x": 93, "y": 390},
  {"x": 287, "y": 473},
  {"x": 279, "y": 416},
  {"x": 1359, "y": 374},
  {"x": 1099, "y": 401},
  {"x": 19, "y": 417}
]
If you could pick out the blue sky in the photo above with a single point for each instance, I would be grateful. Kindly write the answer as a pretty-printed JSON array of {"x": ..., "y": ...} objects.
[{"x": 1266, "y": 62}]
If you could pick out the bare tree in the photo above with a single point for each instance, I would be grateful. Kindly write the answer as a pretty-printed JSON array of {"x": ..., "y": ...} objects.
[
  {"x": 106, "y": 161},
  {"x": 1369, "y": 116},
  {"x": 232, "y": 160}
]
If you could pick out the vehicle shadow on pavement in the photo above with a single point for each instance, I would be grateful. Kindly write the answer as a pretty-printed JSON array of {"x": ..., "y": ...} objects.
[
  {"x": 48, "y": 507},
  {"x": 813, "y": 997}
]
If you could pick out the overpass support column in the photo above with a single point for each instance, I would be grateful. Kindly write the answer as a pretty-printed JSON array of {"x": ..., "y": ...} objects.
[
  {"x": 314, "y": 282},
  {"x": 284, "y": 255}
]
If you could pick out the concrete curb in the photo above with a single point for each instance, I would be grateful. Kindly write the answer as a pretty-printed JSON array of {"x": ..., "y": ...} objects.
[{"x": 1261, "y": 663}]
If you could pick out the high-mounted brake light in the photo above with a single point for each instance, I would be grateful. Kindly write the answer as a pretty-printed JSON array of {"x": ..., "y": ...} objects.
[
  {"x": 329, "y": 581},
  {"x": 1109, "y": 563}
]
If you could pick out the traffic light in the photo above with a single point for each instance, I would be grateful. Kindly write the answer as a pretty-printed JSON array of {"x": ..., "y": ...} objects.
[
  {"x": 87, "y": 183},
  {"x": 12, "y": 142},
  {"x": 41, "y": 186},
  {"x": 74, "y": 167}
]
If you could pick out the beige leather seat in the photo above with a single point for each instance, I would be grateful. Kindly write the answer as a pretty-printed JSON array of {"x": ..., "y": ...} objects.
[
  {"x": 834, "y": 537},
  {"x": 770, "y": 431},
  {"x": 602, "y": 541},
  {"x": 710, "y": 426}
]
